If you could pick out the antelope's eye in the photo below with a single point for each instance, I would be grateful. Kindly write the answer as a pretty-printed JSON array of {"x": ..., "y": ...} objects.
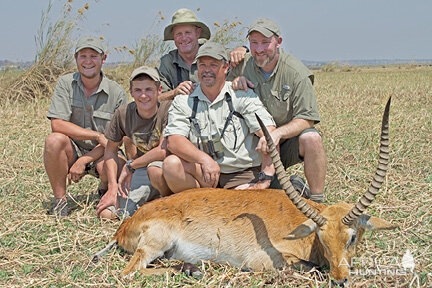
[{"x": 353, "y": 239}]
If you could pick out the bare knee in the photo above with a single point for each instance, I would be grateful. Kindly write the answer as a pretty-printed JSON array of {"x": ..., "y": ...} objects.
[
  {"x": 56, "y": 142},
  {"x": 171, "y": 166},
  {"x": 157, "y": 180},
  {"x": 310, "y": 142},
  {"x": 154, "y": 173}
]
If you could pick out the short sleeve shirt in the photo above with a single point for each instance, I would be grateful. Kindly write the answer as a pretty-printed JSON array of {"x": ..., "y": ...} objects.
[
  {"x": 238, "y": 140},
  {"x": 69, "y": 103},
  {"x": 288, "y": 93},
  {"x": 145, "y": 133},
  {"x": 172, "y": 64}
]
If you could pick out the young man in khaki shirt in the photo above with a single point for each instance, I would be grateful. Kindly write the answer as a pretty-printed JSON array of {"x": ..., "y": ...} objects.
[{"x": 81, "y": 107}]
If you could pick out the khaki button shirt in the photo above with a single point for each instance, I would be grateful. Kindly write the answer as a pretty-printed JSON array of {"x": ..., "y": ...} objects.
[
  {"x": 168, "y": 71},
  {"x": 69, "y": 103},
  {"x": 288, "y": 93},
  {"x": 211, "y": 117}
]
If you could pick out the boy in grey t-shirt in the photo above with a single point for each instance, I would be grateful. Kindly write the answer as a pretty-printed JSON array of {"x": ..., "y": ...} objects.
[{"x": 143, "y": 122}]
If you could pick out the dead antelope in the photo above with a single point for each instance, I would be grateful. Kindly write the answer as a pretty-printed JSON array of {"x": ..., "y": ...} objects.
[{"x": 256, "y": 229}]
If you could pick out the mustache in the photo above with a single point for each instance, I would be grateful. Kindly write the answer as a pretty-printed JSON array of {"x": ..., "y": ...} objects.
[{"x": 208, "y": 74}]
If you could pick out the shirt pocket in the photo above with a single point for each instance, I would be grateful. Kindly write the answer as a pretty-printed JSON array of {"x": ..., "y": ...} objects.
[
  {"x": 78, "y": 113},
  {"x": 283, "y": 94},
  {"x": 101, "y": 120}
]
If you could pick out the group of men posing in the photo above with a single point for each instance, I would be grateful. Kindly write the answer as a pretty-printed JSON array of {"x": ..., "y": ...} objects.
[{"x": 192, "y": 122}]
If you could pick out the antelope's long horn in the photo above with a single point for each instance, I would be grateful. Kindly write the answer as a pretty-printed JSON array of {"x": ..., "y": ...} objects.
[
  {"x": 293, "y": 195},
  {"x": 380, "y": 173}
]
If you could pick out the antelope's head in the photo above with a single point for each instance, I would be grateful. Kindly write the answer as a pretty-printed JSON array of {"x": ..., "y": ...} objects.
[{"x": 339, "y": 227}]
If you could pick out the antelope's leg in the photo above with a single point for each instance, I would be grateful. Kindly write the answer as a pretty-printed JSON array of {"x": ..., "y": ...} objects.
[{"x": 153, "y": 244}]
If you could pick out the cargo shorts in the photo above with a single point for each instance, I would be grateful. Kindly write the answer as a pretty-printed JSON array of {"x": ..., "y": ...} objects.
[{"x": 290, "y": 155}]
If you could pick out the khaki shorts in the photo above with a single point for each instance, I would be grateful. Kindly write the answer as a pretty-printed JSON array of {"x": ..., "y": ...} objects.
[
  {"x": 140, "y": 193},
  {"x": 290, "y": 155},
  {"x": 232, "y": 180}
]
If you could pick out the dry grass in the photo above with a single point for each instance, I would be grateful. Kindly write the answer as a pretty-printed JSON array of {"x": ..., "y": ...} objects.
[{"x": 38, "y": 250}]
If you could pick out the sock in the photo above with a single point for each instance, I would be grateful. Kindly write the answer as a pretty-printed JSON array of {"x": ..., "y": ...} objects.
[{"x": 319, "y": 198}]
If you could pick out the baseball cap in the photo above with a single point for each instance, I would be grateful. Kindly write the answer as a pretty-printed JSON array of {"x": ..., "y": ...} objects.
[
  {"x": 265, "y": 26},
  {"x": 214, "y": 50},
  {"x": 90, "y": 42},
  {"x": 149, "y": 71}
]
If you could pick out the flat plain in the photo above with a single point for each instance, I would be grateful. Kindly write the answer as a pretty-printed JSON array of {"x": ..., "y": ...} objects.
[{"x": 39, "y": 250}]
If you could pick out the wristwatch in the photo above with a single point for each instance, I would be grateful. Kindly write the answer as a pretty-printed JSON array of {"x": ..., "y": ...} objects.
[
  {"x": 262, "y": 176},
  {"x": 128, "y": 165}
]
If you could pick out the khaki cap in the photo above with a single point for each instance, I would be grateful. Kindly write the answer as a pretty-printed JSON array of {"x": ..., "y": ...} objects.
[
  {"x": 90, "y": 42},
  {"x": 185, "y": 16},
  {"x": 265, "y": 26},
  {"x": 214, "y": 50},
  {"x": 149, "y": 71}
]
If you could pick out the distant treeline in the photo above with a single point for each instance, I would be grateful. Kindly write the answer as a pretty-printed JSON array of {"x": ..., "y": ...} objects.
[
  {"x": 370, "y": 62},
  {"x": 16, "y": 64}
]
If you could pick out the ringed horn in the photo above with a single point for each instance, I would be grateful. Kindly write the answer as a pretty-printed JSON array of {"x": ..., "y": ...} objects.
[
  {"x": 380, "y": 174},
  {"x": 364, "y": 201},
  {"x": 293, "y": 195}
]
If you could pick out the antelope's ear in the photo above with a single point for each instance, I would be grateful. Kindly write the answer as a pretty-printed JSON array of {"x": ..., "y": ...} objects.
[
  {"x": 303, "y": 230},
  {"x": 367, "y": 222}
]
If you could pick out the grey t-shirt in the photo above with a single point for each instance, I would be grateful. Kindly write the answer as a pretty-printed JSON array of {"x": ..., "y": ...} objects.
[{"x": 145, "y": 133}]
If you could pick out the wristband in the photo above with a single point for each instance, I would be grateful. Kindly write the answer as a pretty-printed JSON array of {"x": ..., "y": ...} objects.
[
  {"x": 128, "y": 165},
  {"x": 262, "y": 176}
]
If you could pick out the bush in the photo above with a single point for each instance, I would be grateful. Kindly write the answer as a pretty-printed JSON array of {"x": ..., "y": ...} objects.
[{"x": 54, "y": 44}]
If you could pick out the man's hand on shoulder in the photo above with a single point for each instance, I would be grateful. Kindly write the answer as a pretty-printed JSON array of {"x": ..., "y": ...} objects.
[
  {"x": 184, "y": 88},
  {"x": 237, "y": 55},
  {"x": 242, "y": 83}
]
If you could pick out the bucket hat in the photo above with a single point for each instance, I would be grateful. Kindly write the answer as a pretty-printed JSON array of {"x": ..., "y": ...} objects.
[{"x": 185, "y": 16}]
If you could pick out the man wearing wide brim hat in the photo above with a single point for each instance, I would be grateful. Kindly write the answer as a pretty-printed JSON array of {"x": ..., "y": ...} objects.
[
  {"x": 208, "y": 148},
  {"x": 81, "y": 106},
  {"x": 184, "y": 17},
  {"x": 284, "y": 85},
  {"x": 177, "y": 68}
]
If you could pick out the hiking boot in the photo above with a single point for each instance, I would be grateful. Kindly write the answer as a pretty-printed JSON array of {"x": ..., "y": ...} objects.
[
  {"x": 60, "y": 208},
  {"x": 300, "y": 186}
]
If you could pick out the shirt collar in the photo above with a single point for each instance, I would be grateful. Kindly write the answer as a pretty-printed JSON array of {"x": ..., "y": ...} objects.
[
  {"x": 198, "y": 93},
  {"x": 104, "y": 85}
]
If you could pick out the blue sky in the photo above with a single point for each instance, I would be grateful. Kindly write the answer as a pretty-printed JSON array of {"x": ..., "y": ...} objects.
[{"x": 321, "y": 30}]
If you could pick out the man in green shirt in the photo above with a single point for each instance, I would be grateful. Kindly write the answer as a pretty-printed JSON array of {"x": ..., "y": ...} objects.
[
  {"x": 211, "y": 132},
  {"x": 284, "y": 85},
  {"x": 143, "y": 121},
  {"x": 177, "y": 68},
  {"x": 81, "y": 107}
]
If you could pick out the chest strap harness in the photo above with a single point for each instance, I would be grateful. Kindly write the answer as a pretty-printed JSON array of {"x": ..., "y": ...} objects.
[
  {"x": 194, "y": 121},
  {"x": 179, "y": 76}
]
